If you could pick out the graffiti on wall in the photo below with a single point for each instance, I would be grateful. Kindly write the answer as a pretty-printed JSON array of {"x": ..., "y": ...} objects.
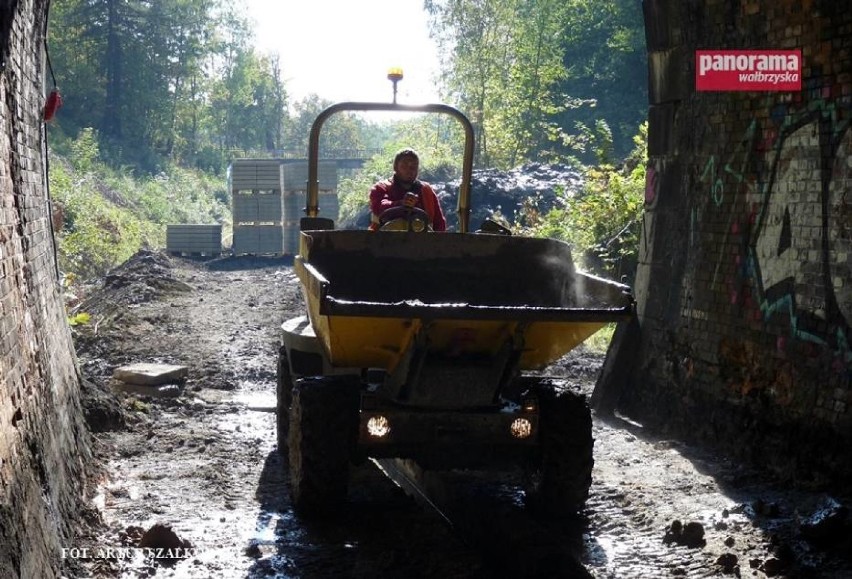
[
  {"x": 787, "y": 186},
  {"x": 801, "y": 249},
  {"x": 727, "y": 180}
]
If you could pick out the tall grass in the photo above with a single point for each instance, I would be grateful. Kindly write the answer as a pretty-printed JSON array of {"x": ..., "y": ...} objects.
[{"x": 104, "y": 215}]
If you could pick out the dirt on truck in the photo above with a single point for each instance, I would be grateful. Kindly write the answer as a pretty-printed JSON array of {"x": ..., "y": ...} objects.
[{"x": 421, "y": 348}]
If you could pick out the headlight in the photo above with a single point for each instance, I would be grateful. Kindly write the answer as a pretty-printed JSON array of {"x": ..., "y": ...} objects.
[
  {"x": 521, "y": 428},
  {"x": 378, "y": 426}
]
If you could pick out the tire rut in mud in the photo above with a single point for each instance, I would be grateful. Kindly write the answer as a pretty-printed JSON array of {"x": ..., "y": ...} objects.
[{"x": 207, "y": 463}]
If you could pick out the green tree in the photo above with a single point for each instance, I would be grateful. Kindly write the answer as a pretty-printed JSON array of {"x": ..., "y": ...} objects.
[
  {"x": 605, "y": 62},
  {"x": 247, "y": 98},
  {"x": 474, "y": 37},
  {"x": 536, "y": 75},
  {"x": 341, "y": 132},
  {"x": 144, "y": 74},
  {"x": 179, "y": 30},
  {"x": 523, "y": 124},
  {"x": 78, "y": 46}
]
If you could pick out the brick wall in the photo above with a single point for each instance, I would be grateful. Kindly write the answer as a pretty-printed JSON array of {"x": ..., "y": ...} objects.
[
  {"x": 43, "y": 445},
  {"x": 744, "y": 285}
]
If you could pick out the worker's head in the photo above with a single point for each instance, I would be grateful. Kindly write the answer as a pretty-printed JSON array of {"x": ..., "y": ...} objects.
[{"x": 406, "y": 165}]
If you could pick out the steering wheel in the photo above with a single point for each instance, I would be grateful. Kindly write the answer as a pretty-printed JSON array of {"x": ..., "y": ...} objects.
[{"x": 404, "y": 218}]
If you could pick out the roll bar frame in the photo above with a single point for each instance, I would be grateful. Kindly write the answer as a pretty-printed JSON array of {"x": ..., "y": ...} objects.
[{"x": 463, "y": 208}]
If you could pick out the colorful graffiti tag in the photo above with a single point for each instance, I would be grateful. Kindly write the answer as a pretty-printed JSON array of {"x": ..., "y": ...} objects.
[
  {"x": 787, "y": 189},
  {"x": 802, "y": 247}
]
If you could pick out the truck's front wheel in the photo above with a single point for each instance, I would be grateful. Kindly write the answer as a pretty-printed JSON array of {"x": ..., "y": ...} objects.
[
  {"x": 283, "y": 395},
  {"x": 323, "y": 432},
  {"x": 560, "y": 477}
]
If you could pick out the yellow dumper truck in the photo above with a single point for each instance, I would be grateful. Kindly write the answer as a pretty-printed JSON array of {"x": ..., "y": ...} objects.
[{"x": 423, "y": 347}]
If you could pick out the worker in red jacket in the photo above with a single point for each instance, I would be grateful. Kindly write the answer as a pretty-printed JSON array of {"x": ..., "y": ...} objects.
[{"x": 405, "y": 190}]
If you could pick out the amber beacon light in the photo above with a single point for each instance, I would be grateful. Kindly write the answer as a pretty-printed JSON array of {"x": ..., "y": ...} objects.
[{"x": 394, "y": 75}]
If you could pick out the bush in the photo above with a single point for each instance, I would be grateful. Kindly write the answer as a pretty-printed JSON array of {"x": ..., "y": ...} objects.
[
  {"x": 109, "y": 214},
  {"x": 602, "y": 221}
]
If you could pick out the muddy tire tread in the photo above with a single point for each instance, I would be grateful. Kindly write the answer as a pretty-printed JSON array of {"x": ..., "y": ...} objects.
[
  {"x": 561, "y": 477},
  {"x": 283, "y": 397},
  {"x": 323, "y": 429}
]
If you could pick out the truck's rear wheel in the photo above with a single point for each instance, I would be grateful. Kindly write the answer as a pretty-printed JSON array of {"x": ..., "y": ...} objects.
[
  {"x": 323, "y": 432},
  {"x": 560, "y": 478},
  {"x": 283, "y": 396}
]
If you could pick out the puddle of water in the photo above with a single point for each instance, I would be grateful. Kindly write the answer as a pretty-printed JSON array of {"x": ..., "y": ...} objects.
[
  {"x": 258, "y": 401},
  {"x": 251, "y": 425},
  {"x": 605, "y": 549},
  {"x": 266, "y": 528}
]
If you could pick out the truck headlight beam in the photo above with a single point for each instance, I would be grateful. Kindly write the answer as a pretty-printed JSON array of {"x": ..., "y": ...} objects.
[
  {"x": 378, "y": 426},
  {"x": 521, "y": 428}
]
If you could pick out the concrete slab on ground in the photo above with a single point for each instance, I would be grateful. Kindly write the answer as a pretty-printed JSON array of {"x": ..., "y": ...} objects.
[{"x": 150, "y": 374}]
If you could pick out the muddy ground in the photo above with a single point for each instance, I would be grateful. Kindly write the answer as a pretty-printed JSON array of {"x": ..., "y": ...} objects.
[{"x": 197, "y": 476}]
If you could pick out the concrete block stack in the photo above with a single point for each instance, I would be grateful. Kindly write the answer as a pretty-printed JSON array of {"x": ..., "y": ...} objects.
[{"x": 269, "y": 198}]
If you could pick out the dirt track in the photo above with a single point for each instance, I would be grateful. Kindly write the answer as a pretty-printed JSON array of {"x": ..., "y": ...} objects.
[{"x": 205, "y": 464}]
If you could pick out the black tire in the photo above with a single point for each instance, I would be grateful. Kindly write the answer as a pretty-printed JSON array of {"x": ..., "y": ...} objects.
[
  {"x": 284, "y": 397},
  {"x": 561, "y": 476},
  {"x": 323, "y": 433}
]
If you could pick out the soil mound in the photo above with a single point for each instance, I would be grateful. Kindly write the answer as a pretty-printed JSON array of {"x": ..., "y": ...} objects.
[{"x": 495, "y": 192}]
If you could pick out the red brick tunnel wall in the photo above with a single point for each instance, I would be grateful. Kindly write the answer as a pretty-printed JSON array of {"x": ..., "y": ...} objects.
[
  {"x": 43, "y": 444},
  {"x": 744, "y": 286}
]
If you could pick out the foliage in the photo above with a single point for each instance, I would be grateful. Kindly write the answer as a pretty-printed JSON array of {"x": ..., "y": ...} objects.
[
  {"x": 178, "y": 81},
  {"x": 79, "y": 319},
  {"x": 602, "y": 221},
  {"x": 596, "y": 140},
  {"x": 474, "y": 37},
  {"x": 95, "y": 235},
  {"x": 167, "y": 81},
  {"x": 527, "y": 69},
  {"x": 342, "y": 131},
  {"x": 84, "y": 150},
  {"x": 150, "y": 87},
  {"x": 600, "y": 340},
  {"x": 605, "y": 59},
  {"x": 108, "y": 215}
]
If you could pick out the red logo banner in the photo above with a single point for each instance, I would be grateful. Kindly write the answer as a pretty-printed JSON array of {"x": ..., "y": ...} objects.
[{"x": 747, "y": 70}]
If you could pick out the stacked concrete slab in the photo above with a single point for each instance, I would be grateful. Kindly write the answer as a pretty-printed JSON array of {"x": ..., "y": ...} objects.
[
  {"x": 269, "y": 199},
  {"x": 294, "y": 177},
  {"x": 194, "y": 239},
  {"x": 256, "y": 206}
]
